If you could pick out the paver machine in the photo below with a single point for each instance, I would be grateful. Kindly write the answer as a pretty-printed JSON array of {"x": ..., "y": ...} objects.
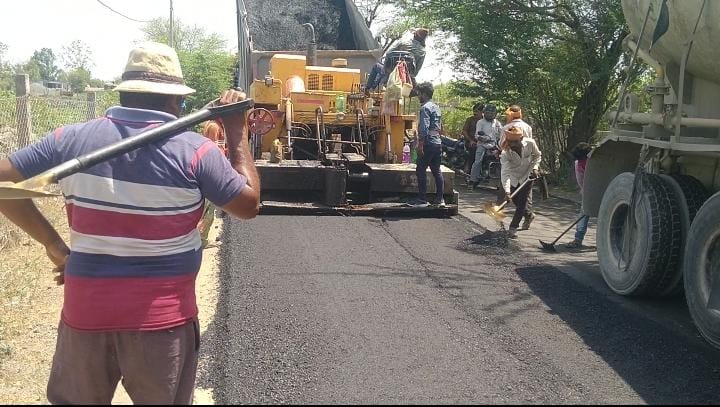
[
  {"x": 650, "y": 182},
  {"x": 321, "y": 143}
]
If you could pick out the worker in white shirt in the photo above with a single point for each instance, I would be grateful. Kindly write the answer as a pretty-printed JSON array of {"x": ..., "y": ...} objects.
[
  {"x": 514, "y": 118},
  {"x": 519, "y": 160}
]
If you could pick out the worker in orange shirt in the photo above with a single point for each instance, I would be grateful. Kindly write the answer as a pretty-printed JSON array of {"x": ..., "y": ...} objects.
[{"x": 215, "y": 132}]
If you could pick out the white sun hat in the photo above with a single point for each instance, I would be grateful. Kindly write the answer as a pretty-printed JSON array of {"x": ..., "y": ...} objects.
[{"x": 153, "y": 68}]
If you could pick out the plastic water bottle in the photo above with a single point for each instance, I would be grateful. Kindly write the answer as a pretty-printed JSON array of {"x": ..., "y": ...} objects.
[
  {"x": 406, "y": 154},
  {"x": 340, "y": 103}
]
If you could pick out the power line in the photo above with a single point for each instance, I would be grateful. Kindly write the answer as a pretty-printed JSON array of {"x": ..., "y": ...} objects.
[{"x": 121, "y": 14}]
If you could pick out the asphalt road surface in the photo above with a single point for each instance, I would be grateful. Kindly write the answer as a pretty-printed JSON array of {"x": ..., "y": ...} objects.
[{"x": 363, "y": 310}]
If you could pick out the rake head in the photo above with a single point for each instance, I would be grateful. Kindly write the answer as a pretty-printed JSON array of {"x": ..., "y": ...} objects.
[
  {"x": 548, "y": 247},
  {"x": 495, "y": 211}
]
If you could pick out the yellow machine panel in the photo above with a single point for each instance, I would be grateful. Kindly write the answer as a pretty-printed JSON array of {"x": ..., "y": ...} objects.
[
  {"x": 310, "y": 101},
  {"x": 267, "y": 93},
  {"x": 283, "y": 66},
  {"x": 327, "y": 78}
]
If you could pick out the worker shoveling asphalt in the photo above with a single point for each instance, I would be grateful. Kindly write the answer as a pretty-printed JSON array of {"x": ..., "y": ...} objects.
[{"x": 520, "y": 165}]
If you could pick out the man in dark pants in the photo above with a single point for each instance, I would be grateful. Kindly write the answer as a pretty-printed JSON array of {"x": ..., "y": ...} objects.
[
  {"x": 469, "y": 129},
  {"x": 520, "y": 158},
  {"x": 429, "y": 147}
]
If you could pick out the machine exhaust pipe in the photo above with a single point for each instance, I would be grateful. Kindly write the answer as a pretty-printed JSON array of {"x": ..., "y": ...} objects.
[{"x": 312, "y": 46}]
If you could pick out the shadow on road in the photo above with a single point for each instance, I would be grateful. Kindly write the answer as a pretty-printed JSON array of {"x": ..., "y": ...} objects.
[{"x": 659, "y": 363}]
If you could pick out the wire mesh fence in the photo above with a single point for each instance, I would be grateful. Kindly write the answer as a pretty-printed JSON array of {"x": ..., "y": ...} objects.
[{"x": 26, "y": 119}]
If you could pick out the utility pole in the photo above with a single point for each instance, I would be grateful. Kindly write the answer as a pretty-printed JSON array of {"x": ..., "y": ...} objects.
[{"x": 172, "y": 30}]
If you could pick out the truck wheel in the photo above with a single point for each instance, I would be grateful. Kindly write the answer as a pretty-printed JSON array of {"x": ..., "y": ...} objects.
[
  {"x": 642, "y": 259},
  {"x": 702, "y": 270},
  {"x": 691, "y": 194}
]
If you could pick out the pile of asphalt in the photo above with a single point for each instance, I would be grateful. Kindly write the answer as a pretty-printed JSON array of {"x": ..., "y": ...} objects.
[
  {"x": 276, "y": 25},
  {"x": 488, "y": 243}
]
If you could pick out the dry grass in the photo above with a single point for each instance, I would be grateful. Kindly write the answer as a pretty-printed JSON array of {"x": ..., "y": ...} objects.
[{"x": 29, "y": 312}]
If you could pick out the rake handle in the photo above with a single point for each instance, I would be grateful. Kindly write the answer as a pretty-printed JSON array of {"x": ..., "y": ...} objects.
[
  {"x": 568, "y": 229},
  {"x": 517, "y": 191}
]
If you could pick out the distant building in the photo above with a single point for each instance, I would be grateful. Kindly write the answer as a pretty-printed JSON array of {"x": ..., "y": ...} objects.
[{"x": 49, "y": 88}]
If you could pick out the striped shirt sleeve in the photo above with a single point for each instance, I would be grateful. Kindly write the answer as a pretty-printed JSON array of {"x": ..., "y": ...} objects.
[
  {"x": 218, "y": 180},
  {"x": 37, "y": 157}
]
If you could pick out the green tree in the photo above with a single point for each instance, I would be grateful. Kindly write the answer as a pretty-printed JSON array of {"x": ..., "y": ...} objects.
[
  {"x": 7, "y": 83},
  {"x": 76, "y": 55},
  {"x": 185, "y": 38},
  {"x": 562, "y": 59},
  {"x": 388, "y": 20},
  {"x": 78, "y": 78},
  {"x": 31, "y": 68},
  {"x": 206, "y": 66},
  {"x": 45, "y": 61}
]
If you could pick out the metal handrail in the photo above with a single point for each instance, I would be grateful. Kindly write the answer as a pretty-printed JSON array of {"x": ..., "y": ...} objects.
[
  {"x": 624, "y": 90},
  {"x": 683, "y": 67}
]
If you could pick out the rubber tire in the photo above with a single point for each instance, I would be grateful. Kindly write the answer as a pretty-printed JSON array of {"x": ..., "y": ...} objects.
[
  {"x": 703, "y": 241},
  {"x": 691, "y": 194},
  {"x": 657, "y": 242}
]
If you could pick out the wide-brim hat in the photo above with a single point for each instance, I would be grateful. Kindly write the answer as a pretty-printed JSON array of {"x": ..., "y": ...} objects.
[{"x": 153, "y": 68}]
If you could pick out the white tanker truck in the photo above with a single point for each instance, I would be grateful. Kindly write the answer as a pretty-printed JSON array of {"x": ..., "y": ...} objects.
[{"x": 653, "y": 182}]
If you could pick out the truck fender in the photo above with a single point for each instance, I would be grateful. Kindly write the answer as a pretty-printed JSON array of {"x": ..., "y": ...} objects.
[{"x": 610, "y": 159}]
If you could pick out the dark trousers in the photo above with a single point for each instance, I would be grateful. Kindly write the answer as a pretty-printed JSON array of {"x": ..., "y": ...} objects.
[
  {"x": 529, "y": 205},
  {"x": 431, "y": 158},
  {"x": 521, "y": 204},
  {"x": 155, "y": 367},
  {"x": 470, "y": 157}
]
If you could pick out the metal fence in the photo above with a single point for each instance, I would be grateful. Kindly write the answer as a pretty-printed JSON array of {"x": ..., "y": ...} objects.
[{"x": 25, "y": 119}]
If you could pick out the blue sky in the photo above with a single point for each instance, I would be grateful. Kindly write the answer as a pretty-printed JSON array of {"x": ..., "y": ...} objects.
[{"x": 33, "y": 24}]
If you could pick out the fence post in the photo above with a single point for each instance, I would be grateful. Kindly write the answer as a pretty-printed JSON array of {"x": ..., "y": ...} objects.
[
  {"x": 91, "y": 105},
  {"x": 22, "y": 109}
]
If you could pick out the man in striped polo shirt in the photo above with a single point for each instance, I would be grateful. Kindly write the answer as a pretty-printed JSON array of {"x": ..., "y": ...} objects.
[{"x": 129, "y": 308}]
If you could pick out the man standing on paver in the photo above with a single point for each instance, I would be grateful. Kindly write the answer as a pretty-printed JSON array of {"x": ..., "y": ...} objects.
[
  {"x": 129, "y": 309},
  {"x": 520, "y": 158},
  {"x": 429, "y": 148}
]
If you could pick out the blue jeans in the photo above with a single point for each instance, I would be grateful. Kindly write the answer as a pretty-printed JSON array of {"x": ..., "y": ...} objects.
[
  {"x": 582, "y": 228},
  {"x": 476, "y": 170},
  {"x": 431, "y": 158}
]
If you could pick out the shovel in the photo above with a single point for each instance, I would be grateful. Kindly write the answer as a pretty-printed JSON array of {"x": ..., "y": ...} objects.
[
  {"x": 496, "y": 211},
  {"x": 550, "y": 247},
  {"x": 35, "y": 187}
]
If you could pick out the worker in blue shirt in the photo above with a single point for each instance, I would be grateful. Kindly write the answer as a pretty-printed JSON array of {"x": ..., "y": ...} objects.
[{"x": 429, "y": 148}]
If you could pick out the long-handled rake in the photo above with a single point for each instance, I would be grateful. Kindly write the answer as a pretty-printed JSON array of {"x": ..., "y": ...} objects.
[
  {"x": 497, "y": 211},
  {"x": 35, "y": 187},
  {"x": 550, "y": 247}
]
